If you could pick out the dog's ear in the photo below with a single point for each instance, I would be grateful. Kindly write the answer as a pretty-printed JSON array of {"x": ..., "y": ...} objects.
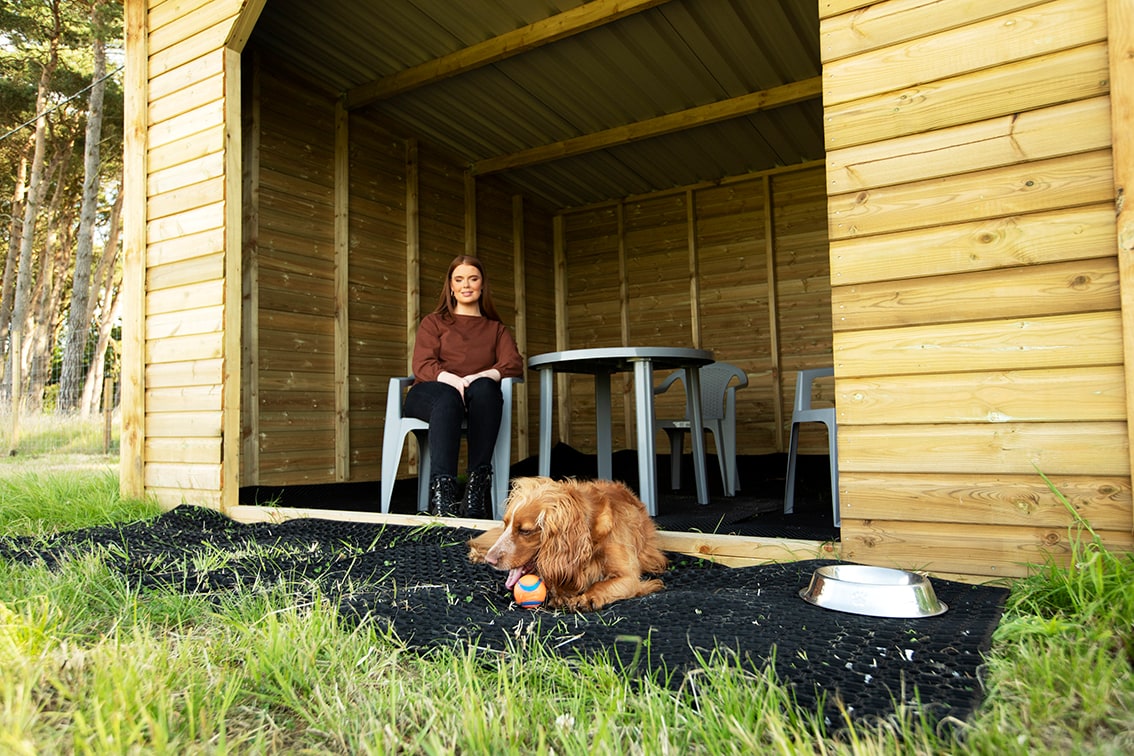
[{"x": 565, "y": 543}]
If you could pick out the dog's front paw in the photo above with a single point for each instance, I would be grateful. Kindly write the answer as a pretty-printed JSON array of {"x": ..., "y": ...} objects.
[
  {"x": 578, "y": 603},
  {"x": 479, "y": 546}
]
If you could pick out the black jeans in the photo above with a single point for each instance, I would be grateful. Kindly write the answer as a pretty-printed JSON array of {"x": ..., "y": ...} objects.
[{"x": 440, "y": 405}]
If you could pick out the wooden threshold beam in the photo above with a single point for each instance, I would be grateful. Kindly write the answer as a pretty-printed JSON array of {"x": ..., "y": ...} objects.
[
  {"x": 730, "y": 550},
  {"x": 516, "y": 42},
  {"x": 766, "y": 99}
]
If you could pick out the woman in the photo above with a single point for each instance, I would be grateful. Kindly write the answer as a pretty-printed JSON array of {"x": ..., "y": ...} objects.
[{"x": 462, "y": 352}]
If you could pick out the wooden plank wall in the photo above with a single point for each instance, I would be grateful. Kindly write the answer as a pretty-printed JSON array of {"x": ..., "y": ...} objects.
[
  {"x": 977, "y": 332},
  {"x": 175, "y": 374},
  {"x": 378, "y": 287},
  {"x": 698, "y": 267},
  {"x": 624, "y": 286},
  {"x": 295, "y": 262},
  {"x": 291, "y": 422}
]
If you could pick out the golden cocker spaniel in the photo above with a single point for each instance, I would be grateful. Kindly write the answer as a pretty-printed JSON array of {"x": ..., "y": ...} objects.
[{"x": 589, "y": 541}]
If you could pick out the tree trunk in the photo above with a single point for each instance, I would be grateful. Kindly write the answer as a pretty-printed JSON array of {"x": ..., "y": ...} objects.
[
  {"x": 15, "y": 234},
  {"x": 22, "y": 297},
  {"x": 51, "y": 284},
  {"x": 105, "y": 294},
  {"x": 90, "y": 404},
  {"x": 78, "y": 323},
  {"x": 104, "y": 275}
]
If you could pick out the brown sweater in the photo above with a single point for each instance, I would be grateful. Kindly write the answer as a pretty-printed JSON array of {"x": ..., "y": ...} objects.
[{"x": 464, "y": 345}]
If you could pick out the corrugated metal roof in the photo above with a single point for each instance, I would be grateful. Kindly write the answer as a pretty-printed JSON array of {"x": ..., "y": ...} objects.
[{"x": 660, "y": 61}]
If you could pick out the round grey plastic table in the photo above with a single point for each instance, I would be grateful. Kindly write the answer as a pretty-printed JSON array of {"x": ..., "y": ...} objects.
[{"x": 604, "y": 362}]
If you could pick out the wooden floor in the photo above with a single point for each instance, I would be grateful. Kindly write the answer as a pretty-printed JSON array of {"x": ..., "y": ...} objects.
[{"x": 756, "y": 510}]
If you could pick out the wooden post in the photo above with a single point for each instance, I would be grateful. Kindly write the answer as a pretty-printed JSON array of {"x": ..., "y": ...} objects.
[
  {"x": 628, "y": 423},
  {"x": 231, "y": 422},
  {"x": 1120, "y": 42},
  {"x": 107, "y": 413},
  {"x": 559, "y": 262},
  {"x": 250, "y": 279},
  {"x": 342, "y": 292},
  {"x": 470, "y": 214},
  {"x": 136, "y": 92},
  {"x": 773, "y": 312},
  {"x": 519, "y": 273},
  {"x": 694, "y": 268},
  {"x": 413, "y": 266},
  {"x": 17, "y": 390}
]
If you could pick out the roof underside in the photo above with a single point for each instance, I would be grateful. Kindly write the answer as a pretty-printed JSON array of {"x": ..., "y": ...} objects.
[{"x": 573, "y": 102}]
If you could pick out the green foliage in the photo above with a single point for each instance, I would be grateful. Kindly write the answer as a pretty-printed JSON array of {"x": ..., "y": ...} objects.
[
  {"x": 1065, "y": 650},
  {"x": 88, "y": 664}
]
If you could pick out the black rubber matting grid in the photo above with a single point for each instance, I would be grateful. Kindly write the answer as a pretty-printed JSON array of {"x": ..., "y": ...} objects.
[{"x": 418, "y": 583}]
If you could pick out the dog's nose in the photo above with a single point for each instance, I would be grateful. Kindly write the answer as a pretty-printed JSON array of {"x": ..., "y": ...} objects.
[{"x": 492, "y": 557}]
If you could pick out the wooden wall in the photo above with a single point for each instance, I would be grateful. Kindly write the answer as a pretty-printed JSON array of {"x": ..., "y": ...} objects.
[
  {"x": 181, "y": 102},
  {"x": 314, "y": 384},
  {"x": 956, "y": 260},
  {"x": 693, "y": 266},
  {"x": 977, "y": 323},
  {"x": 739, "y": 268}
]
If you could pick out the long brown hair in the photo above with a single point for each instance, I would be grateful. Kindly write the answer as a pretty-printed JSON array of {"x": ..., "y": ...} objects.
[{"x": 446, "y": 305}]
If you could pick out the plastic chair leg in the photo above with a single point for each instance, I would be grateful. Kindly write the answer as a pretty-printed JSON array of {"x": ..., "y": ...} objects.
[
  {"x": 833, "y": 447},
  {"x": 423, "y": 468},
  {"x": 501, "y": 468},
  {"x": 789, "y": 489},
  {"x": 390, "y": 468},
  {"x": 676, "y": 452}
]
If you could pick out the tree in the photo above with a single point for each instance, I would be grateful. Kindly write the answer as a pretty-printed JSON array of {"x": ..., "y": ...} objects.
[
  {"x": 35, "y": 191},
  {"x": 78, "y": 331},
  {"x": 60, "y": 281}
]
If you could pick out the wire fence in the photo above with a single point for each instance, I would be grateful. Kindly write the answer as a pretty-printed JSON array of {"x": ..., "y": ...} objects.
[{"x": 32, "y": 422}]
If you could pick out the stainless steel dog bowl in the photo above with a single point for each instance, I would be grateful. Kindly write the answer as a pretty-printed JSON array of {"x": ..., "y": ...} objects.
[{"x": 874, "y": 591}]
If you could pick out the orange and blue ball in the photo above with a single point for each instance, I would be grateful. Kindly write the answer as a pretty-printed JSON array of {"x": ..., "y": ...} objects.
[{"x": 529, "y": 591}]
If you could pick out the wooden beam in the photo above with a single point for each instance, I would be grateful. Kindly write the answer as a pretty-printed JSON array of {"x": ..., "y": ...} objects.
[
  {"x": 730, "y": 550},
  {"x": 516, "y": 42},
  {"x": 245, "y": 23},
  {"x": 132, "y": 467},
  {"x": 1120, "y": 43},
  {"x": 342, "y": 292},
  {"x": 754, "y": 102}
]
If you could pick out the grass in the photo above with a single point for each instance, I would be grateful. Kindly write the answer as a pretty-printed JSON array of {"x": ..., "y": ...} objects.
[
  {"x": 90, "y": 665},
  {"x": 50, "y": 434}
]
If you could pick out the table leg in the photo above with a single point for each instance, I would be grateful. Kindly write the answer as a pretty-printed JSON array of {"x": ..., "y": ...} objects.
[
  {"x": 647, "y": 464},
  {"x": 602, "y": 427},
  {"x": 546, "y": 403},
  {"x": 693, "y": 399}
]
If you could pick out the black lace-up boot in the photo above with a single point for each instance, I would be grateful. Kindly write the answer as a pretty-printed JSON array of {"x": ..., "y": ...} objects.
[
  {"x": 443, "y": 495},
  {"x": 477, "y": 493}
]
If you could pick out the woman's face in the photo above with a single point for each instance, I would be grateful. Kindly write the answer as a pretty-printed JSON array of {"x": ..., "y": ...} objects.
[{"x": 465, "y": 284}]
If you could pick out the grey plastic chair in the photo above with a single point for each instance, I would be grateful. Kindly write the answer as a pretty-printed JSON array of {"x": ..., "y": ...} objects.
[
  {"x": 803, "y": 412},
  {"x": 399, "y": 426},
  {"x": 718, "y": 415}
]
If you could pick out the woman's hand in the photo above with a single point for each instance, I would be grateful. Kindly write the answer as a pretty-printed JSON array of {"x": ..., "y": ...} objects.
[
  {"x": 492, "y": 373},
  {"x": 454, "y": 380}
]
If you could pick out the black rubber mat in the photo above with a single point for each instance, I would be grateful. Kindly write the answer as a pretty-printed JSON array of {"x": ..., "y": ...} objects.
[{"x": 418, "y": 583}]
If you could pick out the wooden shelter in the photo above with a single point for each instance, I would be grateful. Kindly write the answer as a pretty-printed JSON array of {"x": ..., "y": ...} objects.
[{"x": 927, "y": 195}]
